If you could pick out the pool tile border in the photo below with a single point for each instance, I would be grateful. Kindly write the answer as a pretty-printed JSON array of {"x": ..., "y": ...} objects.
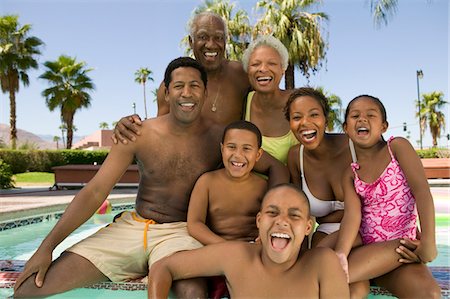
[{"x": 48, "y": 217}]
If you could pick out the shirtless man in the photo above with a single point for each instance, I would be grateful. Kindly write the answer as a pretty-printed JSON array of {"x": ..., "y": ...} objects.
[
  {"x": 173, "y": 151},
  {"x": 228, "y": 83},
  {"x": 272, "y": 268}
]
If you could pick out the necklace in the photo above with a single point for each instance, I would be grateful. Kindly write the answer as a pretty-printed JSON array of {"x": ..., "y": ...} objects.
[{"x": 214, "y": 106}]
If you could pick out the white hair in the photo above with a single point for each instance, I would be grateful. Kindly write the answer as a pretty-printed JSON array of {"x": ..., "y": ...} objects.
[
  {"x": 194, "y": 19},
  {"x": 270, "y": 41}
]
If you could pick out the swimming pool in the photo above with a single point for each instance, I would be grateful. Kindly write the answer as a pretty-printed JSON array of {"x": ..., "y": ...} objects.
[{"x": 20, "y": 243}]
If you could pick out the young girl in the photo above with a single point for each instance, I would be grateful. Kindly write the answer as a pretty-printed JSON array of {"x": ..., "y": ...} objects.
[{"x": 383, "y": 190}]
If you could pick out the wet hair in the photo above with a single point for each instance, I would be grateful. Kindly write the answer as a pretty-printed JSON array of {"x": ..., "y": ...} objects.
[
  {"x": 184, "y": 62},
  {"x": 373, "y": 99},
  {"x": 292, "y": 187},
  {"x": 196, "y": 17},
  {"x": 307, "y": 91},
  {"x": 243, "y": 125},
  {"x": 270, "y": 41}
]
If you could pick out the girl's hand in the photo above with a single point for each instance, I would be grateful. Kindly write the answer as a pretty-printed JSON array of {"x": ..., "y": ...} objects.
[
  {"x": 426, "y": 252},
  {"x": 414, "y": 251},
  {"x": 344, "y": 263}
]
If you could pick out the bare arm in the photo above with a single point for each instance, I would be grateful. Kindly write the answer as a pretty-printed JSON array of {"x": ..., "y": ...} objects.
[
  {"x": 412, "y": 167},
  {"x": 205, "y": 261},
  {"x": 82, "y": 207},
  {"x": 197, "y": 213},
  {"x": 350, "y": 222},
  {"x": 352, "y": 215},
  {"x": 293, "y": 165},
  {"x": 163, "y": 106},
  {"x": 332, "y": 282},
  {"x": 127, "y": 129},
  {"x": 277, "y": 172}
]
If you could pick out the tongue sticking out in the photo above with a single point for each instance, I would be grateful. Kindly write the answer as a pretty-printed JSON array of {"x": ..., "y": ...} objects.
[{"x": 279, "y": 243}]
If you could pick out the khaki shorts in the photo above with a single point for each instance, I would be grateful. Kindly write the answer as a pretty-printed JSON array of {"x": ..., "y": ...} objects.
[{"x": 126, "y": 248}]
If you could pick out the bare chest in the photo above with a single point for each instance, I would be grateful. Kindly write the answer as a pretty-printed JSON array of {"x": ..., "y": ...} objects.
[
  {"x": 225, "y": 101},
  {"x": 185, "y": 159}
]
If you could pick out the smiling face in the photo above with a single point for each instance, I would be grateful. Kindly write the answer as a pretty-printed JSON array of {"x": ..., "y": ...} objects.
[
  {"x": 264, "y": 69},
  {"x": 283, "y": 223},
  {"x": 208, "y": 42},
  {"x": 364, "y": 123},
  {"x": 240, "y": 151},
  {"x": 186, "y": 94},
  {"x": 307, "y": 121}
]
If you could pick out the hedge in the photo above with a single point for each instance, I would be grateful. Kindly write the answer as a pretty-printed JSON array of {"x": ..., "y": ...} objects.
[
  {"x": 43, "y": 160},
  {"x": 6, "y": 174}
]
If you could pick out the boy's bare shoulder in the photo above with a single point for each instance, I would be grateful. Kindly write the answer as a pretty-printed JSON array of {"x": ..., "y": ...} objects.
[
  {"x": 319, "y": 256},
  {"x": 257, "y": 179}
]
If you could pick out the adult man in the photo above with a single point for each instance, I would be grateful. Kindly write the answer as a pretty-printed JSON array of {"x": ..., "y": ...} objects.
[
  {"x": 173, "y": 151},
  {"x": 228, "y": 83},
  {"x": 272, "y": 268}
]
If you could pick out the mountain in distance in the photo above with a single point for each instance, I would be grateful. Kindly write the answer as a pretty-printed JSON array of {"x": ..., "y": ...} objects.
[{"x": 41, "y": 141}]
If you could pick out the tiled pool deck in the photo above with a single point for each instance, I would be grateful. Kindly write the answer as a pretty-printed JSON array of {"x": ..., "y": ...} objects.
[{"x": 29, "y": 205}]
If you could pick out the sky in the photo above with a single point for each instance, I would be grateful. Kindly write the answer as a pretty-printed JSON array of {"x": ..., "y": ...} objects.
[{"x": 117, "y": 37}]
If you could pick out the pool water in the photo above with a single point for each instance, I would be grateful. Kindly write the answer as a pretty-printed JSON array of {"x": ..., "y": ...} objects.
[{"x": 20, "y": 244}]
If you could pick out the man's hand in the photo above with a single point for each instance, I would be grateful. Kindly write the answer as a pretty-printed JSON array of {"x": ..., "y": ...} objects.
[
  {"x": 127, "y": 129},
  {"x": 38, "y": 263}
]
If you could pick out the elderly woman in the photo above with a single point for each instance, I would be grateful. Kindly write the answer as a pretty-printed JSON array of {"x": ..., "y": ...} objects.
[{"x": 265, "y": 60}]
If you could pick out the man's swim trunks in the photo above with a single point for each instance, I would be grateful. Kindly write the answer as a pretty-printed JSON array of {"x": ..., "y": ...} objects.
[{"x": 126, "y": 248}]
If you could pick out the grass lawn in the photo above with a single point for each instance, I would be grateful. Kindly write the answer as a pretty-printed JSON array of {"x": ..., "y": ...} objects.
[{"x": 34, "y": 179}]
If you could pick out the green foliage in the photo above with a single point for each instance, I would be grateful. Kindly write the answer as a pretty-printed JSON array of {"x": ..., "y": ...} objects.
[
  {"x": 28, "y": 145},
  {"x": 43, "y": 160},
  {"x": 69, "y": 89},
  {"x": 6, "y": 174},
  {"x": 18, "y": 55},
  {"x": 35, "y": 177},
  {"x": 432, "y": 153}
]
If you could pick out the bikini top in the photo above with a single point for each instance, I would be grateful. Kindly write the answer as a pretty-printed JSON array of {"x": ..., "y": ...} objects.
[
  {"x": 278, "y": 146},
  {"x": 319, "y": 207}
]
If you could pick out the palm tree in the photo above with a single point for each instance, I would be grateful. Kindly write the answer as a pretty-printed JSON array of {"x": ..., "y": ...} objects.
[
  {"x": 56, "y": 139},
  {"x": 429, "y": 113},
  {"x": 382, "y": 10},
  {"x": 334, "y": 120},
  {"x": 69, "y": 89},
  {"x": 103, "y": 126},
  {"x": 155, "y": 94},
  {"x": 18, "y": 53},
  {"x": 238, "y": 26},
  {"x": 298, "y": 30},
  {"x": 142, "y": 76},
  {"x": 63, "y": 128}
]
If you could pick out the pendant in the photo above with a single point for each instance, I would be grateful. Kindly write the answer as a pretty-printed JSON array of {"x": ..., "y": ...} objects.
[{"x": 214, "y": 108}]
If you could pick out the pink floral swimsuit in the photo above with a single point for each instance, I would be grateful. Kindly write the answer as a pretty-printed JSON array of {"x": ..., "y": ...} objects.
[{"x": 388, "y": 206}]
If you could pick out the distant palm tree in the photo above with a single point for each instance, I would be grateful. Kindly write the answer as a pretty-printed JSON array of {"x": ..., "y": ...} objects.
[
  {"x": 155, "y": 94},
  {"x": 430, "y": 114},
  {"x": 18, "y": 53},
  {"x": 298, "y": 30},
  {"x": 142, "y": 76},
  {"x": 103, "y": 125},
  {"x": 56, "y": 139},
  {"x": 382, "y": 10},
  {"x": 238, "y": 26},
  {"x": 70, "y": 87},
  {"x": 334, "y": 120},
  {"x": 63, "y": 128}
]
